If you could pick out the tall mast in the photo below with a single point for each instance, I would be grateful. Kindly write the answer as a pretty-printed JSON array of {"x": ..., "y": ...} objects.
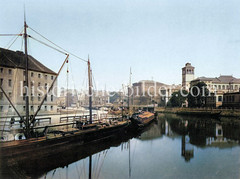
[
  {"x": 122, "y": 100},
  {"x": 90, "y": 90},
  {"x": 26, "y": 78},
  {"x": 130, "y": 79},
  {"x": 90, "y": 110}
]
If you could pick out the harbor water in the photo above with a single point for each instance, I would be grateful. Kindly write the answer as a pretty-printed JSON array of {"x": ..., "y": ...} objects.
[{"x": 171, "y": 147}]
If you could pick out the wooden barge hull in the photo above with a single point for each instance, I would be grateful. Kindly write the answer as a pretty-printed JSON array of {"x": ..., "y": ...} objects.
[
  {"x": 142, "y": 123},
  {"x": 39, "y": 164},
  {"x": 13, "y": 151}
]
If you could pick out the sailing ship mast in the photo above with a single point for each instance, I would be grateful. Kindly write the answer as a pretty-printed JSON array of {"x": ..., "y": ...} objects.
[
  {"x": 130, "y": 79},
  {"x": 29, "y": 120},
  {"x": 26, "y": 79},
  {"x": 90, "y": 91},
  {"x": 90, "y": 110}
]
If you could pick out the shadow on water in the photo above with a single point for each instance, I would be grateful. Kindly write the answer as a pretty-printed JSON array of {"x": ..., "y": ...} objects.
[
  {"x": 40, "y": 164},
  {"x": 192, "y": 131}
]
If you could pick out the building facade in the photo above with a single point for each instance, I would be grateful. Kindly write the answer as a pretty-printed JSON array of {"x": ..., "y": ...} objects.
[
  {"x": 68, "y": 98},
  {"x": 219, "y": 86},
  {"x": 99, "y": 98},
  {"x": 12, "y": 72},
  {"x": 231, "y": 100},
  {"x": 210, "y": 100},
  {"x": 149, "y": 92},
  {"x": 187, "y": 75}
]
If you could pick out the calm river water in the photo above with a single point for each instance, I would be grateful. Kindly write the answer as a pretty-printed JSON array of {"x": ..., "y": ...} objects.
[{"x": 171, "y": 147}]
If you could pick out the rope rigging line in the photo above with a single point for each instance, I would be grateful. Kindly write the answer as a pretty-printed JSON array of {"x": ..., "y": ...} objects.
[
  {"x": 51, "y": 87},
  {"x": 74, "y": 86},
  {"x": 99, "y": 169},
  {"x": 15, "y": 77},
  {"x": 47, "y": 45},
  {"x": 21, "y": 45},
  {"x": 10, "y": 60},
  {"x": 94, "y": 82},
  {"x": 20, "y": 34},
  {"x": 11, "y": 34},
  {"x": 85, "y": 77},
  {"x": 57, "y": 45},
  {"x": 9, "y": 103},
  {"x": 30, "y": 97},
  {"x": 12, "y": 42},
  {"x": 96, "y": 163},
  {"x": 67, "y": 87}
]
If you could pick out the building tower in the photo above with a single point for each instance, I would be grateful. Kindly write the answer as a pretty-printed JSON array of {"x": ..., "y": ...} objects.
[{"x": 187, "y": 75}]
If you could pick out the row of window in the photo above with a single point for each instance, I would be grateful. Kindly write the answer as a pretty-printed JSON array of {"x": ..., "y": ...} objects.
[
  {"x": 31, "y": 108},
  {"x": 190, "y": 71},
  {"x": 9, "y": 95},
  {"x": 39, "y": 75},
  {"x": 187, "y": 71},
  {"x": 24, "y": 97},
  {"x": 9, "y": 71},
  {"x": 45, "y": 108},
  {"x": 24, "y": 83},
  {"x": 9, "y": 82},
  {"x": 46, "y": 85},
  {"x": 39, "y": 97},
  {"x": 227, "y": 87},
  {"x": 39, "y": 84},
  {"x": 229, "y": 99},
  {"x": 213, "y": 98},
  {"x": 24, "y": 73}
]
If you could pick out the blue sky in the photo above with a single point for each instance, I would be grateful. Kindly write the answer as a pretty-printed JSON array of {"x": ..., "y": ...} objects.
[{"x": 153, "y": 37}]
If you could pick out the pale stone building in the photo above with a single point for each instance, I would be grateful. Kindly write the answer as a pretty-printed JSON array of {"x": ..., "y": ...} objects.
[
  {"x": 220, "y": 85},
  {"x": 217, "y": 86},
  {"x": 149, "y": 92},
  {"x": 187, "y": 75},
  {"x": 12, "y": 78},
  {"x": 68, "y": 98},
  {"x": 99, "y": 98}
]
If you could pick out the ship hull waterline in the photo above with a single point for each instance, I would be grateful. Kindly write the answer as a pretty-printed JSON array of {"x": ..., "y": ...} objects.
[{"x": 13, "y": 151}]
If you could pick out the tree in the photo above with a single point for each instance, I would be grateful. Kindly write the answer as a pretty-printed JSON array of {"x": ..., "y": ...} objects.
[
  {"x": 177, "y": 98},
  {"x": 114, "y": 96},
  {"x": 197, "y": 95}
]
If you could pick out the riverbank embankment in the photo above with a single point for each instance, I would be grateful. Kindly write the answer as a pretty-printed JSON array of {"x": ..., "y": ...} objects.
[{"x": 201, "y": 111}]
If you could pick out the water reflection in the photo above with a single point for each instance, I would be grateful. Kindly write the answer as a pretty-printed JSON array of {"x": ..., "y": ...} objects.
[
  {"x": 187, "y": 148},
  {"x": 207, "y": 132},
  {"x": 171, "y": 147}
]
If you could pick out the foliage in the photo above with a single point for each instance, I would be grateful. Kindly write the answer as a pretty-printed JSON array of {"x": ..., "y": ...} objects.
[
  {"x": 114, "y": 96},
  {"x": 178, "y": 98},
  {"x": 197, "y": 95}
]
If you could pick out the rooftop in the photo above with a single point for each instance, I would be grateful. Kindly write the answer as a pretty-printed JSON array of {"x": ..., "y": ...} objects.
[
  {"x": 231, "y": 93},
  {"x": 220, "y": 79},
  {"x": 12, "y": 59},
  {"x": 188, "y": 65},
  {"x": 150, "y": 82}
]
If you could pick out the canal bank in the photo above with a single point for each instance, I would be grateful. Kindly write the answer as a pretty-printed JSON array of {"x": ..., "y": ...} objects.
[{"x": 201, "y": 112}]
